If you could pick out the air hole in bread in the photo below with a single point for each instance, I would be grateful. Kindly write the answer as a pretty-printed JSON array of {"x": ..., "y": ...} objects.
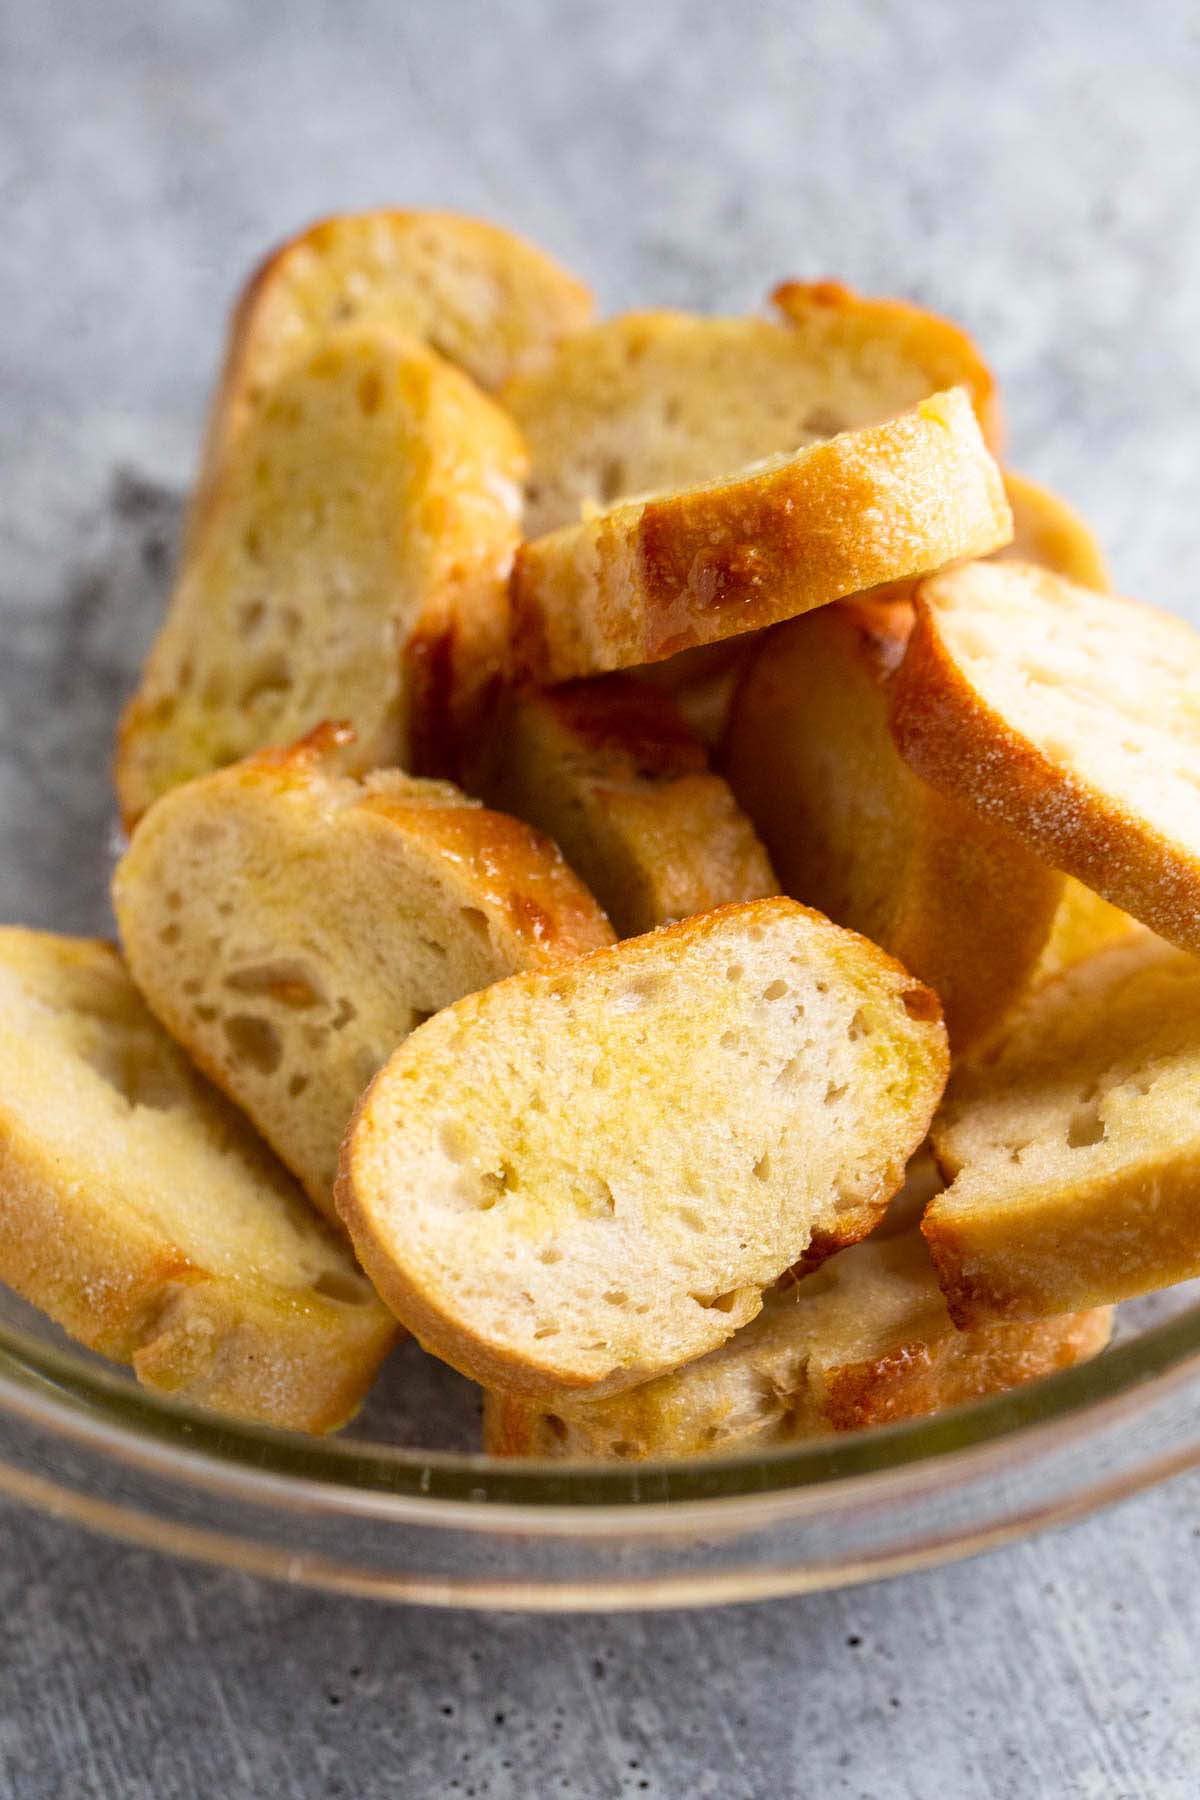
[
  {"x": 474, "y": 920},
  {"x": 921, "y": 1003},
  {"x": 215, "y": 691},
  {"x": 206, "y": 1014},
  {"x": 728, "y": 1040},
  {"x": 225, "y": 909},
  {"x": 545, "y": 1331},
  {"x": 455, "y": 1142},
  {"x": 344, "y": 1014},
  {"x": 494, "y": 1184},
  {"x": 297, "y": 1085},
  {"x": 858, "y": 1027},
  {"x": 821, "y": 422},
  {"x": 170, "y": 934},
  {"x": 549, "y": 1256},
  {"x": 192, "y": 986},
  {"x": 555, "y": 1426},
  {"x": 271, "y": 675},
  {"x": 834, "y": 1091},
  {"x": 601, "y": 1075},
  {"x": 687, "y": 1215},
  {"x": 251, "y": 615},
  {"x": 762, "y": 1168},
  {"x": 370, "y": 391},
  {"x": 615, "y": 1297},
  {"x": 791, "y": 1071},
  {"x": 342, "y": 1288},
  {"x": 776, "y": 991},
  {"x": 624, "y": 1449},
  {"x": 723, "y": 1303},
  {"x": 734, "y": 972},
  {"x": 253, "y": 1040},
  {"x": 286, "y": 982},
  {"x": 290, "y": 621},
  {"x": 1085, "y": 1127},
  {"x": 173, "y": 901}
]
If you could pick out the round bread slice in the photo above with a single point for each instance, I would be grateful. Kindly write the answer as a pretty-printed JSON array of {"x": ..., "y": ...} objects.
[
  {"x": 1070, "y": 718},
  {"x": 654, "y": 576},
  {"x": 865, "y": 1340},
  {"x": 1048, "y": 531},
  {"x": 581, "y": 1180},
  {"x": 1071, "y": 1143},
  {"x": 139, "y": 1210},
  {"x": 351, "y": 562},
  {"x": 290, "y": 926}
]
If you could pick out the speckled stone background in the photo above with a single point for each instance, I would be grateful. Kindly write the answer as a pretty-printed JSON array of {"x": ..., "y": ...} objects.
[{"x": 1031, "y": 169}]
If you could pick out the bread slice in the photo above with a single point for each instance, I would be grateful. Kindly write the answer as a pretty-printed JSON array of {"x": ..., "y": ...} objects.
[
  {"x": 609, "y": 770},
  {"x": 289, "y": 926},
  {"x": 852, "y": 831},
  {"x": 654, "y": 400},
  {"x": 1072, "y": 1143},
  {"x": 583, "y": 1179},
  {"x": 351, "y": 563},
  {"x": 480, "y": 296},
  {"x": 140, "y": 1212},
  {"x": 650, "y": 577},
  {"x": 1083, "y": 924},
  {"x": 864, "y": 1341},
  {"x": 1049, "y": 532},
  {"x": 1068, "y": 717}
]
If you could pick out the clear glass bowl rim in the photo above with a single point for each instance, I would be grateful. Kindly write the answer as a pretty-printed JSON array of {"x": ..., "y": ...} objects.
[{"x": 69, "y": 1397}]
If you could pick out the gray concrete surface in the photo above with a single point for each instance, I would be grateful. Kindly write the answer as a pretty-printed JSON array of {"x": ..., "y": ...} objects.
[{"x": 1032, "y": 170}]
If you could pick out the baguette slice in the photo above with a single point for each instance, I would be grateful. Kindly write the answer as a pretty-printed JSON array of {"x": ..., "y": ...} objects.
[
  {"x": 481, "y": 297},
  {"x": 852, "y": 831},
  {"x": 1070, "y": 718},
  {"x": 609, "y": 770},
  {"x": 289, "y": 926},
  {"x": 351, "y": 563},
  {"x": 581, "y": 1180},
  {"x": 654, "y": 400},
  {"x": 1072, "y": 1143},
  {"x": 865, "y": 1340},
  {"x": 650, "y": 577},
  {"x": 140, "y": 1212},
  {"x": 1083, "y": 924}
]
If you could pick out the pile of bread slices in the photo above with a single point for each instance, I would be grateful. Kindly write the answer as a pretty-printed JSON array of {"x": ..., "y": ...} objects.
[{"x": 594, "y": 786}]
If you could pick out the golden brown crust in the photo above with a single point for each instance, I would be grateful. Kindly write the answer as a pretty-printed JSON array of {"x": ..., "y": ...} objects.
[
  {"x": 650, "y": 578},
  {"x": 949, "y": 734},
  {"x": 1047, "y": 530},
  {"x": 852, "y": 831},
  {"x": 609, "y": 770},
  {"x": 293, "y": 1339}
]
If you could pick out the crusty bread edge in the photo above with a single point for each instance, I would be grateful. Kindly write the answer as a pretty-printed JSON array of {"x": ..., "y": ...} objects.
[{"x": 953, "y": 739}]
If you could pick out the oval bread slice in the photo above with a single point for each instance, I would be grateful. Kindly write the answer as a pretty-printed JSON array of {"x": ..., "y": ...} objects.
[
  {"x": 139, "y": 1211},
  {"x": 654, "y": 576},
  {"x": 582, "y": 1179},
  {"x": 609, "y": 770},
  {"x": 1073, "y": 1144},
  {"x": 652, "y": 400},
  {"x": 351, "y": 562},
  {"x": 480, "y": 296},
  {"x": 865, "y": 1340},
  {"x": 1068, "y": 717},
  {"x": 290, "y": 926}
]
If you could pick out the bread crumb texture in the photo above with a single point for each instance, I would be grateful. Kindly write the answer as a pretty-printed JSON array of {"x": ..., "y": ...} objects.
[
  {"x": 582, "y": 1179},
  {"x": 139, "y": 1211},
  {"x": 290, "y": 925},
  {"x": 1073, "y": 1144},
  {"x": 865, "y": 1340}
]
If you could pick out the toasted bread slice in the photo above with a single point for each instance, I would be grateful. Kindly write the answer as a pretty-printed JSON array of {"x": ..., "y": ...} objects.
[
  {"x": 1073, "y": 1143},
  {"x": 140, "y": 1212},
  {"x": 655, "y": 400},
  {"x": 1049, "y": 532},
  {"x": 651, "y": 577},
  {"x": 290, "y": 926},
  {"x": 609, "y": 770},
  {"x": 481, "y": 297},
  {"x": 865, "y": 1340},
  {"x": 583, "y": 1179},
  {"x": 1068, "y": 717},
  {"x": 852, "y": 831},
  {"x": 352, "y": 563}
]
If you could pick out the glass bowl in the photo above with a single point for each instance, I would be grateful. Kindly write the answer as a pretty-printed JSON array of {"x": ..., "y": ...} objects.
[{"x": 366, "y": 1514}]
